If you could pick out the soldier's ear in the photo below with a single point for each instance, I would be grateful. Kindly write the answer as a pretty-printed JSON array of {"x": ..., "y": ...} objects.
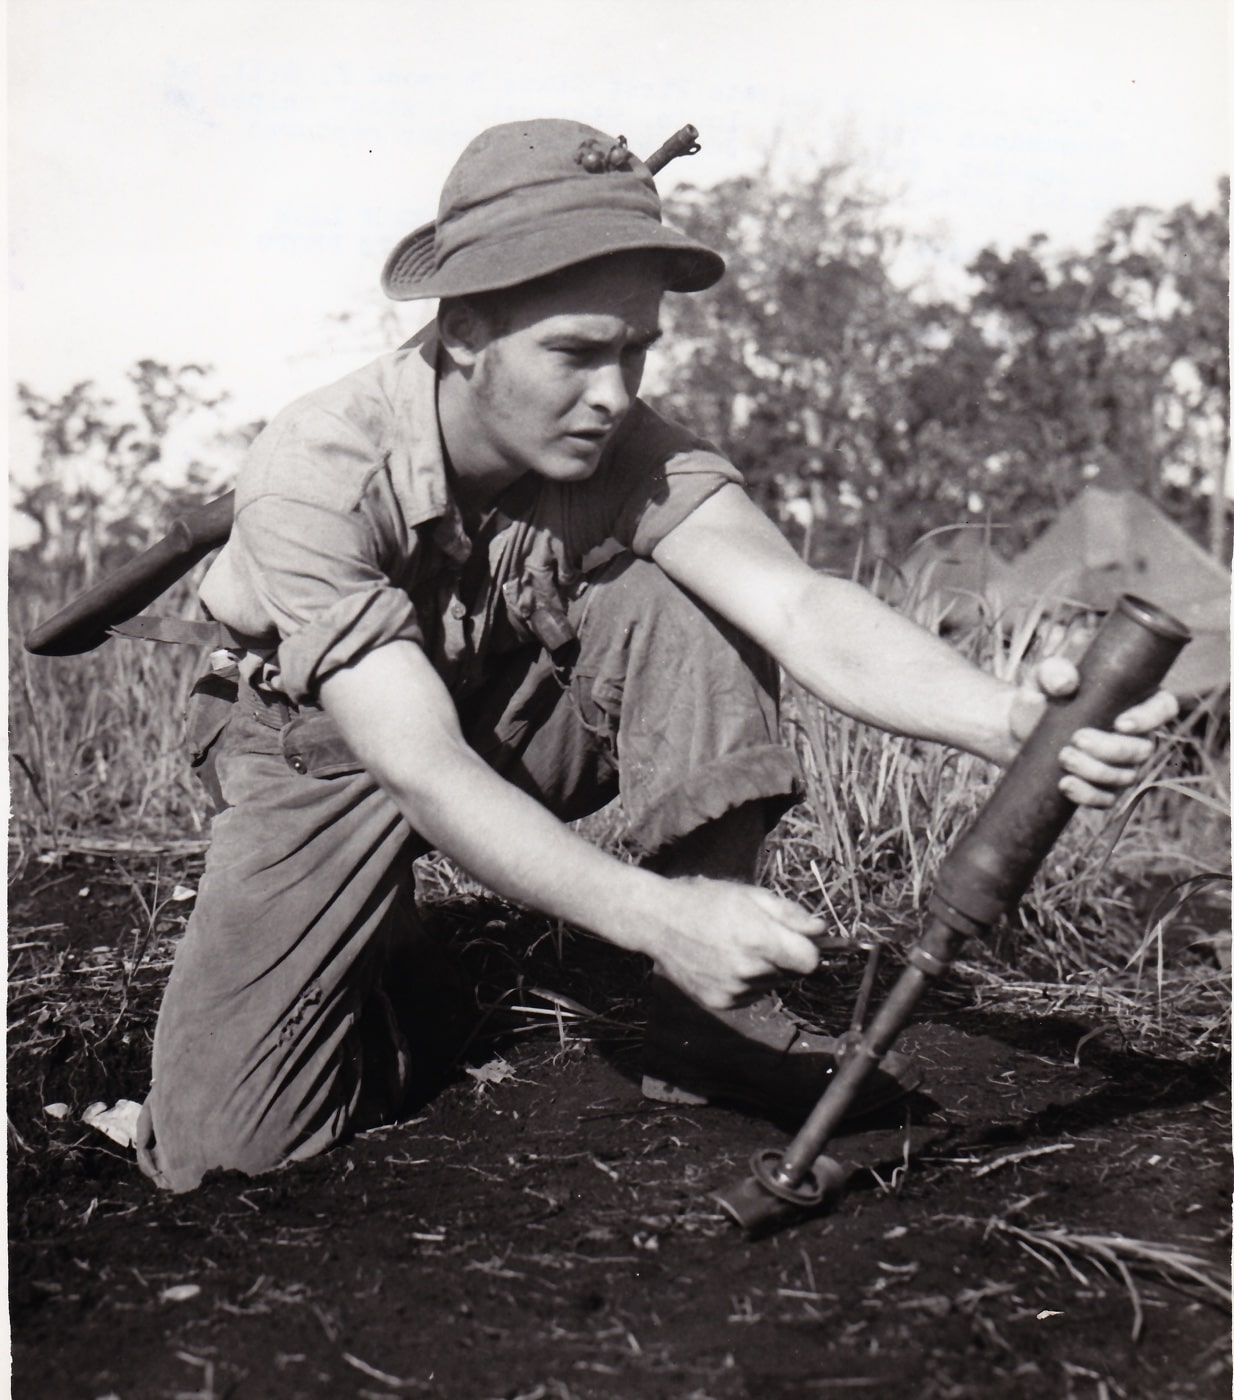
[{"x": 462, "y": 330}]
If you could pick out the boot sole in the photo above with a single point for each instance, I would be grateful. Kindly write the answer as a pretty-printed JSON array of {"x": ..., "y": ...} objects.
[{"x": 665, "y": 1091}]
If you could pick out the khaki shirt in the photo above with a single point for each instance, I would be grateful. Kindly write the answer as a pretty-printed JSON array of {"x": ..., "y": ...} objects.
[{"x": 346, "y": 535}]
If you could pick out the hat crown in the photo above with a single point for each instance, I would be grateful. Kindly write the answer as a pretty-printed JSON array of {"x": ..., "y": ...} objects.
[{"x": 517, "y": 156}]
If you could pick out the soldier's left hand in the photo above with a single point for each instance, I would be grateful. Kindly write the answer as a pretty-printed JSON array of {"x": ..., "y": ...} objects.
[{"x": 1099, "y": 763}]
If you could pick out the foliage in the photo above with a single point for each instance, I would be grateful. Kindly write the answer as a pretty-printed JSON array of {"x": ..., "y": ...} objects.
[
  {"x": 102, "y": 487},
  {"x": 1113, "y": 362},
  {"x": 95, "y": 743},
  {"x": 95, "y": 740},
  {"x": 857, "y": 406},
  {"x": 795, "y": 363}
]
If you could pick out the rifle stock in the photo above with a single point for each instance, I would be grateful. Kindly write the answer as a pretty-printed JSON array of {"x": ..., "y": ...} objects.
[{"x": 83, "y": 623}]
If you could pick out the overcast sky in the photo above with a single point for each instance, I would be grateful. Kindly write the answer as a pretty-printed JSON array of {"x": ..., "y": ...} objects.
[{"x": 214, "y": 179}]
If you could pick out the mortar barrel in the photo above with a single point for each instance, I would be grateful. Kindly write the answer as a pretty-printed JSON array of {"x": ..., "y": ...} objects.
[{"x": 992, "y": 865}]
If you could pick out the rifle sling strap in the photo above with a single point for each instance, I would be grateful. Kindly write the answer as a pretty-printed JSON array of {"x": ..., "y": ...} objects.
[{"x": 174, "y": 629}]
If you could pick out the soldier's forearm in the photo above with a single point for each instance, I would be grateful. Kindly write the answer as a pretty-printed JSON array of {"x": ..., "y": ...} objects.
[
  {"x": 400, "y": 721},
  {"x": 854, "y": 652}
]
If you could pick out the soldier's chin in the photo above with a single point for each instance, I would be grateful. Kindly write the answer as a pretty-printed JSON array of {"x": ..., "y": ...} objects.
[{"x": 577, "y": 458}]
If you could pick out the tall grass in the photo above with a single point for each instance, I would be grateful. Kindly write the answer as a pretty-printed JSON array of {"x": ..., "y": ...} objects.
[{"x": 96, "y": 740}]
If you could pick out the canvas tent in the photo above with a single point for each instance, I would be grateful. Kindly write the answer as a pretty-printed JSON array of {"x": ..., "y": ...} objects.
[{"x": 1103, "y": 543}]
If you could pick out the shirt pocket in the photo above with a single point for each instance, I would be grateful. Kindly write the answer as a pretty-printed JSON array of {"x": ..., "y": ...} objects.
[{"x": 312, "y": 746}]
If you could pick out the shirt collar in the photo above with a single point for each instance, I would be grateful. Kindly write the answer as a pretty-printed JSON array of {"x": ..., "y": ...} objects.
[{"x": 417, "y": 464}]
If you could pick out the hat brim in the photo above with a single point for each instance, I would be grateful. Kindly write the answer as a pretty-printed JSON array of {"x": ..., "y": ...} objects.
[{"x": 410, "y": 273}]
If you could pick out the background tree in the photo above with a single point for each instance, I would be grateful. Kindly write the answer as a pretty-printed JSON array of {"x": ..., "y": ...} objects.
[
  {"x": 102, "y": 486},
  {"x": 1112, "y": 365},
  {"x": 795, "y": 363},
  {"x": 863, "y": 410}
]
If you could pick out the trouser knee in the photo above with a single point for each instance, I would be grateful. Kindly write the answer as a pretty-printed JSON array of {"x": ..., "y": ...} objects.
[{"x": 689, "y": 704}]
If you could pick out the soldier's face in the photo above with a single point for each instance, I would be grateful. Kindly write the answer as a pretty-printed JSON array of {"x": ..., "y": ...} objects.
[{"x": 555, "y": 376}]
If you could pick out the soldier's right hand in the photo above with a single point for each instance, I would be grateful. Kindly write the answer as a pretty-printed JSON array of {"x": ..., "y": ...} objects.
[{"x": 725, "y": 943}]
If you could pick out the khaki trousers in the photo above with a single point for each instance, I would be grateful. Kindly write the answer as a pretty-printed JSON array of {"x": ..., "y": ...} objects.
[{"x": 264, "y": 1051}]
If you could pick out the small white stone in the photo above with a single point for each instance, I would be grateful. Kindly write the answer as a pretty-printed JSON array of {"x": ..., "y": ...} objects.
[{"x": 180, "y": 1292}]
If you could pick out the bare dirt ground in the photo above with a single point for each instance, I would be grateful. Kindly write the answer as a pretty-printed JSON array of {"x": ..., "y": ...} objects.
[{"x": 537, "y": 1230}]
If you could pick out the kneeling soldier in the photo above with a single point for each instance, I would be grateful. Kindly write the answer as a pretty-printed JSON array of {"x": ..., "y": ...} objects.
[{"x": 474, "y": 591}]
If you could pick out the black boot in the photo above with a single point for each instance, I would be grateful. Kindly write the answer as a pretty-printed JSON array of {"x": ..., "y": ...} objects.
[{"x": 755, "y": 1056}]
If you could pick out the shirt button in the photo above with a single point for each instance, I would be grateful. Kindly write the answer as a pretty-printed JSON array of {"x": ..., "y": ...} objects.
[{"x": 458, "y": 609}]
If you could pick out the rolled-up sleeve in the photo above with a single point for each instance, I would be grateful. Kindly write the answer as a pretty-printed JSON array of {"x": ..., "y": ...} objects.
[
  {"x": 322, "y": 585},
  {"x": 664, "y": 473},
  {"x": 675, "y": 491}
]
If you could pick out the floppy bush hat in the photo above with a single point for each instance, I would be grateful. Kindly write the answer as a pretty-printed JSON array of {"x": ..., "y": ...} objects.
[{"x": 529, "y": 198}]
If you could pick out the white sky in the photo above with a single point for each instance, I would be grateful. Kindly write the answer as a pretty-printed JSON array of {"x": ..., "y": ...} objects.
[{"x": 211, "y": 180}]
